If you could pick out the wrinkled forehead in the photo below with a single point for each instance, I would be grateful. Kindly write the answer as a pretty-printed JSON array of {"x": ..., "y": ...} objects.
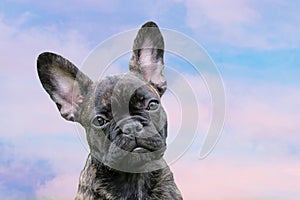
[{"x": 123, "y": 88}]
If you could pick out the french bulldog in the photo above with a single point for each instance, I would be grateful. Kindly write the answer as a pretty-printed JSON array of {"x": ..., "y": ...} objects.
[{"x": 124, "y": 121}]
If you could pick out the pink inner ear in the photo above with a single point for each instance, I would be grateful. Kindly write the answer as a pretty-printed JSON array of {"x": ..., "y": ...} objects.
[
  {"x": 69, "y": 100},
  {"x": 68, "y": 111},
  {"x": 146, "y": 57},
  {"x": 67, "y": 94},
  {"x": 152, "y": 72}
]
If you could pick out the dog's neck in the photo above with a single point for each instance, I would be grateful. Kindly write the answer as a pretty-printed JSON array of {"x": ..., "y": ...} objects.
[{"x": 100, "y": 181}]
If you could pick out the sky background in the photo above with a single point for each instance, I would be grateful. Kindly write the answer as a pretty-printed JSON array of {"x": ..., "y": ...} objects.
[{"x": 255, "y": 45}]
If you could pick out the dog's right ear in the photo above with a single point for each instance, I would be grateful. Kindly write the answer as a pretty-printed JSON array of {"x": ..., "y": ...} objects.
[
  {"x": 147, "y": 59},
  {"x": 65, "y": 83}
]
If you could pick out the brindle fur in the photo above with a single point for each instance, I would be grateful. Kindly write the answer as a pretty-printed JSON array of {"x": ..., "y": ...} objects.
[
  {"x": 79, "y": 99},
  {"x": 99, "y": 182}
]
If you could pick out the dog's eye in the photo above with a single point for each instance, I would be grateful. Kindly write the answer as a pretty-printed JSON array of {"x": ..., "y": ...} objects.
[
  {"x": 153, "y": 105},
  {"x": 99, "y": 121}
]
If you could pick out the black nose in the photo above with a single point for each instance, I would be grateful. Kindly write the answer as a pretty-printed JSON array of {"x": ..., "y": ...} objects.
[{"x": 132, "y": 128}]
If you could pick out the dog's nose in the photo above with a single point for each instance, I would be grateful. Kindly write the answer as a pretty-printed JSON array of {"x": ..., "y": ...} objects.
[{"x": 133, "y": 128}]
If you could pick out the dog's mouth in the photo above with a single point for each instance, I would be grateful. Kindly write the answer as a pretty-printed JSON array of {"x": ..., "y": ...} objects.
[{"x": 139, "y": 149}]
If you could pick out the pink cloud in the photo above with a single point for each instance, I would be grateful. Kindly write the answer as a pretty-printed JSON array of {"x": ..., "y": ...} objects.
[
  {"x": 238, "y": 178},
  {"x": 265, "y": 110},
  {"x": 61, "y": 187},
  {"x": 32, "y": 122},
  {"x": 23, "y": 92}
]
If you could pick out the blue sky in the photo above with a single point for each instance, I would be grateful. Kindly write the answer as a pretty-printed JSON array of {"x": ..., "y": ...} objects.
[{"x": 255, "y": 45}]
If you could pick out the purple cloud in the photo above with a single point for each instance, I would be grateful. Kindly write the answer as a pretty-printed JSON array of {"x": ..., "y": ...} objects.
[{"x": 19, "y": 177}]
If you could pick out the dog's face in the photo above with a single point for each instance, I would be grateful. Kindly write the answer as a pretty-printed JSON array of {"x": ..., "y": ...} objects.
[{"x": 125, "y": 123}]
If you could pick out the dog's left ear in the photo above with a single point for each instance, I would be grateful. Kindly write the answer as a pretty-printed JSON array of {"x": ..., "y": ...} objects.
[
  {"x": 147, "y": 59},
  {"x": 64, "y": 82}
]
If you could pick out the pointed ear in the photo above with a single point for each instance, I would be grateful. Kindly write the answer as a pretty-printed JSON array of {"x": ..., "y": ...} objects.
[
  {"x": 147, "y": 59},
  {"x": 65, "y": 83}
]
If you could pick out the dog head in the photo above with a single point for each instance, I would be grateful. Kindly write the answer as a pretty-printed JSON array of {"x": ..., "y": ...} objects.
[{"x": 125, "y": 123}]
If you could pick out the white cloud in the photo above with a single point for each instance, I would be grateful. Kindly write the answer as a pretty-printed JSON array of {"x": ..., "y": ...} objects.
[
  {"x": 22, "y": 45},
  {"x": 244, "y": 23},
  {"x": 221, "y": 13}
]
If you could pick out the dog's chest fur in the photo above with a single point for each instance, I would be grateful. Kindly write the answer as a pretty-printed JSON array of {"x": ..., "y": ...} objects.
[{"x": 99, "y": 182}]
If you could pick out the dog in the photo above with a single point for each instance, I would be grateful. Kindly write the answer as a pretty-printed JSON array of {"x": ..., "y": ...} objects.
[{"x": 125, "y": 123}]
